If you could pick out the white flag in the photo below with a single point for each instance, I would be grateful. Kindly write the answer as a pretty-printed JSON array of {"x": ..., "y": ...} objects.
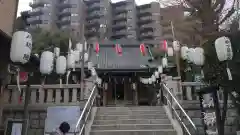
[{"x": 69, "y": 44}]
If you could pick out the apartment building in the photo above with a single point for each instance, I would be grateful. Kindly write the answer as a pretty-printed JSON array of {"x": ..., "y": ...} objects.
[
  {"x": 102, "y": 19},
  {"x": 124, "y": 21},
  {"x": 149, "y": 28},
  {"x": 43, "y": 14},
  {"x": 98, "y": 19}
]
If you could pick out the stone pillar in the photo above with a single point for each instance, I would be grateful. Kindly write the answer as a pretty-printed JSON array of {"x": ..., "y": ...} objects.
[
  {"x": 105, "y": 89},
  {"x": 135, "y": 95}
]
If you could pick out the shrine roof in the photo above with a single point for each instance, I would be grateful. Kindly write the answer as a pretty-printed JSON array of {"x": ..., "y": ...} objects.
[{"x": 131, "y": 57}]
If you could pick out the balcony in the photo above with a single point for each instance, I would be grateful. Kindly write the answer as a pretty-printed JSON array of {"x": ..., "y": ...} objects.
[
  {"x": 92, "y": 23},
  {"x": 144, "y": 7},
  {"x": 120, "y": 17},
  {"x": 94, "y": 15},
  {"x": 118, "y": 36},
  {"x": 120, "y": 10},
  {"x": 119, "y": 4},
  {"x": 146, "y": 35},
  {"x": 65, "y": 13},
  {"x": 144, "y": 13},
  {"x": 64, "y": 4},
  {"x": 94, "y": 7},
  {"x": 36, "y": 12},
  {"x": 145, "y": 29},
  {"x": 34, "y": 20},
  {"x": 145, "y": 20},
  {"x": 90, "y": 2},
  {"x": 120, "y": 25},
  {"x": 37, "y": 4},
  {"x": 65, "y": 21},
  {"x": 91, "y": 32}
]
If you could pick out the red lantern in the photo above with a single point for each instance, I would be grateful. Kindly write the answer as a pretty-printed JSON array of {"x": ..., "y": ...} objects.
[
  {"x": 97, "y": 48},
  {"x": 164, "y": 46},
  {"x": 118, "y": 49},
  {"x": 23, "y": 76},
  {"x": 143, "y": 49}
]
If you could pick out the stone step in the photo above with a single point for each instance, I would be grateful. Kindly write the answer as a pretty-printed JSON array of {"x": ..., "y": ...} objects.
[
  {"x": 132, "y": 121},
  {"x": 134, "y": 132},
  {"x": 135, "y": 108},
  {"x": 119, "y": 117},
  {"x": 130, "y": 112},
  {"x": 131, "y": 126}
]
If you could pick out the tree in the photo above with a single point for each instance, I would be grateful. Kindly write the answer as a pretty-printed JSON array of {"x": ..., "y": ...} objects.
[
  {"x": 43, "y": 39},
  {"x": 210, "y": 15}
]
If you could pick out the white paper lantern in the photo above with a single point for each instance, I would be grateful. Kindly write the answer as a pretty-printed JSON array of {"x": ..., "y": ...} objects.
[
  {"x": 223, "y": 48},
  {"x": 46, "y": 62},
  {"x": 93, "y": 72},
  {"x": 61, "y": 65},
  {"x": 56, "y": 51},
  {"x": 176, "y": 46},
  {"x": 190, "y": 55},
  {"x": 70, "y": 61},
  {"x": 86, "y": 57},
  {"x": 76, "y": 54},
  {"x": 145, "y": 81},
  {"x": 154, "y": 78},
  {"x": 90, "y": 65},
  {"x": 21, "y": 47},
  {"x": 156, "y": 74},
  {"x": 199, "y": 56},
  {"x": 170, "y": 51},
  {"x": 164, "y": 62},
  {"x": 184, "y": 52},
  {"x": 160, "y": 69},
  {"x": 79, "y": 47},
  {"x": 150, "y": 81}
]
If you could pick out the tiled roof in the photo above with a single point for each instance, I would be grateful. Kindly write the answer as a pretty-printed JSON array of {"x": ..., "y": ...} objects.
[{"x": 131, "y": 58}]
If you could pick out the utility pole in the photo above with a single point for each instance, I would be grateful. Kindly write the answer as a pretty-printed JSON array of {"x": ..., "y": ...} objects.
[
  {"x": 176, "y": 52},
  {"x": 82, "y": 65}
]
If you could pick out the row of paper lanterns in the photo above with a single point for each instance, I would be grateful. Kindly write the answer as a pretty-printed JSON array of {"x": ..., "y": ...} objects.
[
  {"x": 195, "y": 56},
  {"x": 21, "y": 48}
]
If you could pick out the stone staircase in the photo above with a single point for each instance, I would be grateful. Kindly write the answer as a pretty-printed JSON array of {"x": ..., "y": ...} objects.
[
  {"x": 192, "y": 109},
  {"x": 142, "y": 120}
]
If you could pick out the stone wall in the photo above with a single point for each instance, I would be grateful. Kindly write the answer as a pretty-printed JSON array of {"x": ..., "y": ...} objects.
[{"x": 36, "y": 120}]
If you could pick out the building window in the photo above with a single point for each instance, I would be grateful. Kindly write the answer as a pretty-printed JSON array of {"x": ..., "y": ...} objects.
[
  {"x": 47, "y": 5},
  {"x": 74, "y": 14},
  {"x": 45, "y": 21},
  {"x": 74, "y": 5}
]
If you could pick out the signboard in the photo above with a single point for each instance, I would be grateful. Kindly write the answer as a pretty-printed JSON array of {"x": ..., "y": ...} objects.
[
  {"x": 57, "y": 115},
  {"x": 13, "y": 127}
]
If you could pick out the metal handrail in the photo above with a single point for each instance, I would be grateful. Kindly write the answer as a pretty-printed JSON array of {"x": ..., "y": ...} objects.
[
  {"x": 82, "y": 121},
  {"x": 182, "y": 110}
]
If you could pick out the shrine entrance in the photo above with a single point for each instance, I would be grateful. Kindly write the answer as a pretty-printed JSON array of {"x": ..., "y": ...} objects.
[{"x": 119, "y": 92}]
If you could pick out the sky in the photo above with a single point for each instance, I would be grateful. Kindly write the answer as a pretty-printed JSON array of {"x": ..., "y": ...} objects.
[{"x": 24, "y": 4}]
